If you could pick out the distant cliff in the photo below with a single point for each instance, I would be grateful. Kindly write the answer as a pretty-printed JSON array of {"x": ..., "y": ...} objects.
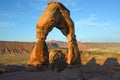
[
  {"x": 26, "y": 47},
  {"x": 15, "y": 47},
  {"x": 21, "y": 47}
]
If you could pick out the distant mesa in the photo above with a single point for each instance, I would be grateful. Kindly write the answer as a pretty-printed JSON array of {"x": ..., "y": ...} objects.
[
  {"x": 10, "y": 47},
  {"x": 7, "y": 47}
]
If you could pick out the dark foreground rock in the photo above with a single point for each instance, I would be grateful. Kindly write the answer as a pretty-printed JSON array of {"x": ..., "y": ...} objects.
[{"x": 72, "y": 73}]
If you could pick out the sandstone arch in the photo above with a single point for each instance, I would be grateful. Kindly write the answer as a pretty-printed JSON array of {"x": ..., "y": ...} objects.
[{"x": 55, "y": 15}]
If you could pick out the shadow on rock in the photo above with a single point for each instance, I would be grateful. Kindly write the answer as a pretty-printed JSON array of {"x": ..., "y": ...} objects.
[{"x": 58, "y": 62}]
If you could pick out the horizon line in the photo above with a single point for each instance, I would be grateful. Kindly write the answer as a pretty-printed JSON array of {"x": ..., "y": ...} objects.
[{"x": 62, "y": 41}]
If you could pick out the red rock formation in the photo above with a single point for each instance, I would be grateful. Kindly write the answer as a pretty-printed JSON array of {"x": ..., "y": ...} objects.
[
  {"x": 7, "y": 47},
  {"x": 55, "y": 15}
]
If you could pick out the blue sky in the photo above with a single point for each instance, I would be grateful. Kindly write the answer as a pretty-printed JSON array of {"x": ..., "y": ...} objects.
[{"x": 95, "y": 20}]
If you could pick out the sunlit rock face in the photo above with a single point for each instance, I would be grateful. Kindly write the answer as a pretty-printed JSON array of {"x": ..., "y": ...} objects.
[{"x": 55, "y": 15}]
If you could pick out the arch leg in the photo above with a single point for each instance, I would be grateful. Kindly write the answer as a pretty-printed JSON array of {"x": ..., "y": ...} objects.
[
  {"x": 40, "y": 54},
  {"x": 73, "y": 51},
  {"x": 73, "y": 56}
]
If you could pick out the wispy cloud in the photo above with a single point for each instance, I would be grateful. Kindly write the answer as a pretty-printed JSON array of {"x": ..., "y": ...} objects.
[
  {"x": 4, "y": 14},
  {"x": 12, "y": 15},
  {"x": 91, "y": 21},
  {"x": 6, "y": 24}
]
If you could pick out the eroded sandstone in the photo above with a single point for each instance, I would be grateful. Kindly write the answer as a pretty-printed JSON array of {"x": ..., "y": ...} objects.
[{"x": 55, "y": 15}]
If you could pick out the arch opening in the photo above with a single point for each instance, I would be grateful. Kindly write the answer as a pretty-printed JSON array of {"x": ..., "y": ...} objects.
[
  {"x": 54, "y": 15},
  {"x": 56, "y": 35}
]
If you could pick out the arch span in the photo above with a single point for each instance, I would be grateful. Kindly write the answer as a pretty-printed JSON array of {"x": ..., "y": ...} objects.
[{"x": 55, "y": 15}]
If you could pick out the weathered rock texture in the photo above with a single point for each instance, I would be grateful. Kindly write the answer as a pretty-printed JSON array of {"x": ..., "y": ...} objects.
[
  {"x": 57, "y": 60},
  {"x": 55, "y": 15},
  {"x": 7, "y": 47}
]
